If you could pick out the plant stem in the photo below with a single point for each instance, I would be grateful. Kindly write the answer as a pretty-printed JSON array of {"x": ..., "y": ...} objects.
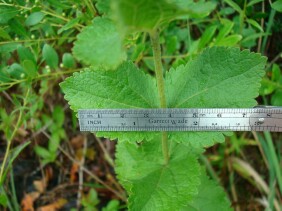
[
  {"x": 10, "y": 140},
  {"x": 161, "y": 86},
  {"x": 268, "y": 29}
]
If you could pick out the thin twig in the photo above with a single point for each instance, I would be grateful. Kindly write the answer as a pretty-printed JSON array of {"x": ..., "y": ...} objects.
[
  {"x": 80, "y": 172},
  {"x": 106, "y": 153},
  {"x": 261, "y": 24},
  {"x": 119, "y": 195}
]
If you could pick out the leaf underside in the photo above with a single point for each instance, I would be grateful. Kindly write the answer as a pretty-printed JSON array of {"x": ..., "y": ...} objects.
[{"x": 218, "y": 78}]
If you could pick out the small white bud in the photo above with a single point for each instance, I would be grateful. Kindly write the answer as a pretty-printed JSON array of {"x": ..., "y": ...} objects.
[
  {"x": 47, "y": 67},
  {"x": 61, "y": 65},
  {"x": 32, "y": 36}
]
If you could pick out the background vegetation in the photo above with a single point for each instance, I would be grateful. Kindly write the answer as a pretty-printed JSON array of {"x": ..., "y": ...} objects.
[{"x": 48, "y": 164}]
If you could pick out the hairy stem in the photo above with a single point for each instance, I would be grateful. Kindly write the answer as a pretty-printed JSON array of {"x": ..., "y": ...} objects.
[{"x": 161, "y": 86}]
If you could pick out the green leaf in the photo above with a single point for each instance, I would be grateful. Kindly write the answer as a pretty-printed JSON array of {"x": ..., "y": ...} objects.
[
  {"x": 255, "y": 24},
  {"x": 34, "y": 18},
  {"x": 4, "y": 34},
  {"x": 54, "y": 143},
  {"x": 234, "y": 5},
  {"x": 7, "y": 13},
  {"x": 147, "y": 15},
  {"x": 25, "y": 54},
  {"x": 103, "y": 6},
  {"x": 127, "y": 87},
  {"x": 3, "y": 198},
  {"x": 50, "y": 56},
  {"x": 153, "y": 185},
  {"x": 211, "y": 197},
  {"x": 195, "y": 9},
  {"x": 42, "y": 152},
  {"x": 276, "y": 72},
  {"x": 17, "y": 27},
  {"x": 58, "y": 116},
  {"x": 226, "y": 11},
  {"x": 113, "y": 205},
  {"x": 90, "y": 200},
  {"x": 219, "y": 77},
  {"x": 100, "y": 44},
  {"x": 231, "y": 40},
  {"x": 276, "y": 98},
  {"x": 69, "y": 25},
  {"x": 13, "y": 154},
  {"x": 68, "y": 60},
  {"x": 277, "y": 5},
  {"x": 207, "y": 36},
  {"x": 16, "y": 71},
  {"x": 266, "y": 88},
  {"x": 253, "y": 2},
  {"x": 30, "y": 68},
  {"x": 224, "y": 30},
  {"x": 9, "y": 47}
]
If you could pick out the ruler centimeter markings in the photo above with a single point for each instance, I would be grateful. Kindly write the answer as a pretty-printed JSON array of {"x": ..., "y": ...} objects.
[{"x": 182, "y": 119}]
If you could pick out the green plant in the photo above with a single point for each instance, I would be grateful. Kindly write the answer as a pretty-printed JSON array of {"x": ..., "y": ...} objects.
[{"x": 160, "y": 170}]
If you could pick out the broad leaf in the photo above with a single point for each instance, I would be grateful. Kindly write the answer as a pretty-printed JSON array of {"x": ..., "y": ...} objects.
[
  {"x": 211, "y": 197},
  {"x": 127, "y": 87},
  {"x": 147, "y": 15},
  {"x": 219, "y": 77},
  {"x": 100, "y": 44},
  {"x": 151, "y": 184}
]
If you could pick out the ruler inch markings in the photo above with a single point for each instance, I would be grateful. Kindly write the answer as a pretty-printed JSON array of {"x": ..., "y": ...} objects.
[{"x": 182, "y": 119}]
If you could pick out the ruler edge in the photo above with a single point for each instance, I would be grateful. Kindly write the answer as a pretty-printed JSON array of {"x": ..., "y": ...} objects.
[{"x": 259, "y": 109}]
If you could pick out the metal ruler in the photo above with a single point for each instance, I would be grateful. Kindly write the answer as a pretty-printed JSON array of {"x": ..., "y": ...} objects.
[{"x": 182, "y": 119}]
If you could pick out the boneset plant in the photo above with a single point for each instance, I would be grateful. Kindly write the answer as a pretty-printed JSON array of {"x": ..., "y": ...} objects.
[{"x": 160, "y": 170}]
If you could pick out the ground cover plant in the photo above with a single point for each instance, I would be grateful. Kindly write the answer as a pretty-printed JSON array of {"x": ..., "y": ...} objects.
[{"x": 134, "y": 54}]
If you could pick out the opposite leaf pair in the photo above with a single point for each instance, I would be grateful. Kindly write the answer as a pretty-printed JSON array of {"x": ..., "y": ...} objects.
[{"x": 219, "y": 77}]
